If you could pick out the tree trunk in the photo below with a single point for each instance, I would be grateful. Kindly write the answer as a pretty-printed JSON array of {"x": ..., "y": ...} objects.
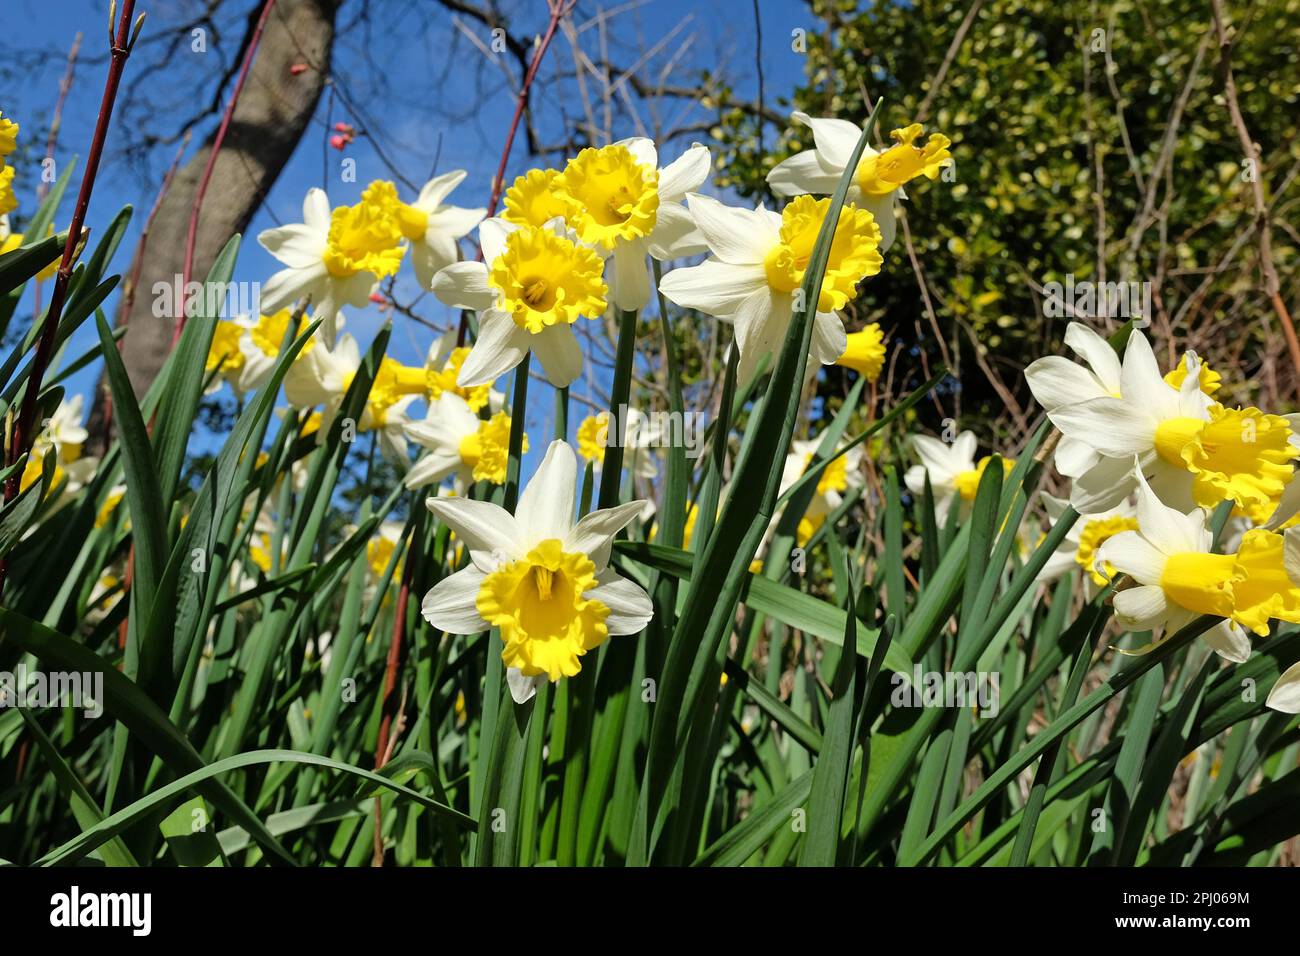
[{"x": 275, "y": 107}]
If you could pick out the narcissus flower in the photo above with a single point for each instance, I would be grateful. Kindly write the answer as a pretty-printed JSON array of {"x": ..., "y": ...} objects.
[
  {"x": 9, "y": 241},
  {"x": 459, "y": 443},
  {"x": 532, "y": 285},
  {"x": 1179, "y": 577},
  {"x": 639, "y": 435},
  {"x": 865, "y": 353},
  {"x": 433, "y": 227},
  {"x": 538, "y": 576},
  {"x": 321, "y": 376},
  {"x": 621, "y": 204},
  {"x": 954, "y": 474},
  {"x": 8, "y": 143},
  {"x": 757, "y": 268},
  {"x": 835, "y": 480},
  {"x": 1192, "y": 449},
  {"x": 533, "y": 200},
  {"x": 335, "y": 257},
  {"x": 243, "y": 352},
  {"x": 879, "y": 176},
  {"x": 1084, "y": 539},
  {"x": 442, "y": 368}
]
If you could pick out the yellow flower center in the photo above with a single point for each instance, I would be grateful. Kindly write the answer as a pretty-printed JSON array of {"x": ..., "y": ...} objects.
[
  {"x": 612, "y": 198},
  {"x": 853, "y": 253},
  {"x": 379, "y": 551},
  {"x": 865, "y": 353},
  {"x": 269, "y": 331},
  {"x": 533, "y": 199},
  {"x": 393, "y": 381},
  {"x": 1241, "y": 455},
  {"x": 487, "y": 450},
  {"x": 224, "y": 351},
  {"x": 110, "y": 505},
  {"x": 881, "y": 174},
  {"x": 366, "y": 237},
  {"x": 1209, "y": 380},
  {"x": 967, "y": 483},
  {"x": 834, "y": 477},
  {"x": 538, "y": 605},
  {"x": 592, "y": 436},
  {"x": 413, "y": 222},
  {"x": 259, "y": 549},
  {"x": 1095, "y": 533},
  {"x": 1264, "y": 590},
  {"x": 545, "y": 279},
  {"x": 1200, "y": 582}
]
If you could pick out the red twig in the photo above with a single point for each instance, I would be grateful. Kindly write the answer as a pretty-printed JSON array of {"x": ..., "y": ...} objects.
[
  {"x": 65, "y": 85},
  {"x": 383, "y": 749},
  {"x": 24, "y": 433},
  {"x": 192, "y": 237},
  {"x": 559, "y": 10}
]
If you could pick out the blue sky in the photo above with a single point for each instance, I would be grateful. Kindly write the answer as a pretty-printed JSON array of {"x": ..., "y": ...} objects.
[{"x": 413, "y": 45}]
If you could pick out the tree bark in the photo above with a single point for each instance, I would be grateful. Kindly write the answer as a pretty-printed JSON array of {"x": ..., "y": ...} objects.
[{"x": 274, "y": 110}]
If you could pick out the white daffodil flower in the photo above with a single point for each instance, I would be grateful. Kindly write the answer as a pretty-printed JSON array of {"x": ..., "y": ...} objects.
[
  {"x": 321, "y": 376},
  {"x": 621, "y": 204},
  {"x": 243, "y": 351},
  {"x": 640, "y": 434},
  {"x": 1190, "y": 448},
  {"x": 541, "y": 578},
  {"x": 433, "y": 227},
  {"x": 1180, "y": 578},
  {"x": 879, "y": 177},
  {"x": 954, "y": 473},
  {"x": 63, "y": 430},
  {"x": 334, "y": 257},
  {"x": 532, "y": 285},
  {"x": 1147, "y": 419},
  {"x": 757, "y": 267},
  {"x": 1056, "y": 381},
  {"x": 835, "y": 480},
  {"x": 459, "y": 444},
  {"x": 1078, "y": 549}
]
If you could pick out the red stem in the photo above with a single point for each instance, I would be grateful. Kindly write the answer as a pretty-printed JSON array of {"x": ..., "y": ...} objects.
[
  {"x": 23, "y": 432},
  {"x": 192, "y": 238}
]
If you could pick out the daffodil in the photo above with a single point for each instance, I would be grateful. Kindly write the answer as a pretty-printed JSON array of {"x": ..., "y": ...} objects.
[
  {"x": 533, "y": 284},
  {"x": 1190, "y": 448},
  {"x": 433, "y": 227},
  {"x": 879, "y": 176},
  {"x": 334, "y": 257},
  {"x": 621, "y": 204},
  {"x": 8, "y": 143},
  {"x": 639, "y": 435},
  {"x": 1079, "y": 547},
  {"x": 865, "y": 352},
  {"x": 9, "y": 241},
  {"x": 442, "y": 368},
  {"x": 459, "y": 444},
  {"x": 835, "y": 480},
  {"x": 954, "y": 474},
  {"x": 757, "y": 266},
  {"x": 533, "y": 200},
  {"x": 1179, "y": 577},
  {"x": 321, "y": 376},
  {"x": 542, "y": 579}
]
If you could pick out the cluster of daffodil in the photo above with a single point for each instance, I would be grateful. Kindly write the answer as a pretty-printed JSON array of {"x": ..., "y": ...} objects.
[
  {"x": 569, "y": 243},
  {"x": 1149, "y": 457}
]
